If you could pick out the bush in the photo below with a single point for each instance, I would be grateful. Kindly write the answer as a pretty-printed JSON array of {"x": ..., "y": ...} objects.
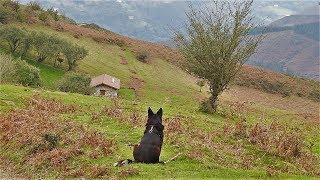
[
  {"x": 54, "y": 14},
  {"x": 277, "y": 87},
  {"x": 43, "y": 16},
  {"x": 13, "y": 36},
  {"x": 5, "y": 15},
  {"x": 143, "y": 56},
  {"x": 46, "y": 46},
  {"x": 6, "y": 68},
  {"x": 26, "y": 74},
  {"x": 75, "y": 83},
  {"x": 12, "y": 5},
  {"x": 73, "y": 54},
  {"x": 34, "y": 6},
  {"x": 315, "y": 95}
]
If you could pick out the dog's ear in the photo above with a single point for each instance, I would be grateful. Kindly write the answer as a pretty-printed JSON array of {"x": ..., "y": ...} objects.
[
  {"x": 160, "y": 112},
  {"x": 150, "y": 112}
]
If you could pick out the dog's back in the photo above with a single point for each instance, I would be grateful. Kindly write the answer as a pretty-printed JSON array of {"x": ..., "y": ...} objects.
[{"x": 149, "y": 149}]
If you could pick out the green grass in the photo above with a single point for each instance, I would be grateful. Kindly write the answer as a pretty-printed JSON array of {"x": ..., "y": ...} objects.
[
  {"x": 50, "y": 76},
  {"x": 123, "y": 134},
  {"x": 163, "y": 85}
]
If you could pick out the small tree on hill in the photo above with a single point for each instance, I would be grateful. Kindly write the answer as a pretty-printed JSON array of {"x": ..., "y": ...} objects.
[
  {"x": 73, "y": 54},
  {"x": 13, "y": 36},
  {"x": 216, "y": 43},
  {"x": 46, "y": 46},
  {"x": 75, "y": 83},
  {"x": 27, "y": 42}
]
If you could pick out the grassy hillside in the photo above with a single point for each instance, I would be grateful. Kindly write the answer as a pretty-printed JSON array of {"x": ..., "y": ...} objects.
[
  {"x": 254, "y": 134},
  {"x": 123, "y": 130},
  {"x": 227, "y": 144}
]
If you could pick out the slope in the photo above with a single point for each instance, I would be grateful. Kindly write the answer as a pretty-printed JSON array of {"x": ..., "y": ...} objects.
[
  {"x": 216, "y": 145},
  {"x": 291, "y": 46}
]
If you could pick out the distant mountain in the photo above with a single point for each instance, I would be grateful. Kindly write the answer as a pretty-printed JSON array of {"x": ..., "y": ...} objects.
[
  {"x": 291, "y": 46},
  {"x": 295, "y": 20},
  {"x": 151, "y": 19}
]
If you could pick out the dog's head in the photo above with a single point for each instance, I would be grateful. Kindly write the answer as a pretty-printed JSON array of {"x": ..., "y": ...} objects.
[{"x": 155, "y": 121}]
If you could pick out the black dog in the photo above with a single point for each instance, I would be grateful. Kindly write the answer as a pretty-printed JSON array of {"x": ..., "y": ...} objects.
[{"x": 149, "y": 148}]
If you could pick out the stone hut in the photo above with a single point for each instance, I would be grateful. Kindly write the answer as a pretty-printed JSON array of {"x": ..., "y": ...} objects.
[{"x": 105, "y": 85}]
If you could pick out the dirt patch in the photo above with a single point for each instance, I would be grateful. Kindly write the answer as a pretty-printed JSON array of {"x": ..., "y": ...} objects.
[
  {"x": 123, "y": 61},
  {"x": 136, "y": 83},
  {"x": 45, "y": 141}
]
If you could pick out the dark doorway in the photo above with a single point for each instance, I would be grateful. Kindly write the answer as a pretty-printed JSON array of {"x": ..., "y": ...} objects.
[{"x": 102, "y": 92}]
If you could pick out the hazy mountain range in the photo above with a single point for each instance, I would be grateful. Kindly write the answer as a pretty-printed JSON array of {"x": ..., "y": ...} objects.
[{"x": 150, "y": 20}]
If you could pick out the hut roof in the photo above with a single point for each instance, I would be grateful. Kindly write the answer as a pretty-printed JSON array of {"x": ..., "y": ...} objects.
[{"x": 107, "y": 80}]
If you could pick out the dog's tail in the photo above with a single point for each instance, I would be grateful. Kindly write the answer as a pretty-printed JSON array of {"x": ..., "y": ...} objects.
[{"x": 123, "y": 163}]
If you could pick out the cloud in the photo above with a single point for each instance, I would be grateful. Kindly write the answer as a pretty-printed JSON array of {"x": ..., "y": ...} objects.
[{"x": 278, "y": 10}]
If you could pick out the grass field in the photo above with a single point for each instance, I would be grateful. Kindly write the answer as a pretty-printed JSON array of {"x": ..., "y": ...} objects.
[
  {"x": 123, "y": 133},
  {"x": 218, "y": 145}
]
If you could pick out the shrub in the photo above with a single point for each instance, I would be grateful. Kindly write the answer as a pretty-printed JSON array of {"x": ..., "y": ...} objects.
[
  {"x": 26, "y": 74},
  {"x": 13, "y": 36},
  {"x": 12, "y": 5},
  {"x": 143, "y": 56},
  {"x": 277, "y": 87},
  {"x": 43, "y": 16},
  {"x": 315, "y": 95},
  {"x": 75, "y": 83},
  {"x": 201, "y": 83},
  {"x": 54, "y": 14},
  {"x": 73, "y": 54},
  {"x": 46, "y": 46},
  {"x": 6, "y": 68},
  {"x": 118, "y": 42},
  {"x": 4, "y": 15},
  {"x": 35, "y": 6}
]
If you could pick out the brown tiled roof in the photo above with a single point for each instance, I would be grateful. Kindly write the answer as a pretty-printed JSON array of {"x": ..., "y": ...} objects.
[{"x": 106, "y": 80}]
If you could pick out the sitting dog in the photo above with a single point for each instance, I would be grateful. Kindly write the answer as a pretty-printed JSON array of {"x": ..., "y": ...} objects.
[{"x": 149, "y": 149}]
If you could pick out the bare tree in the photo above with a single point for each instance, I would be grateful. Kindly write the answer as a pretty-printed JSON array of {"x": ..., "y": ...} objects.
[{"x": 217, "y": 43}]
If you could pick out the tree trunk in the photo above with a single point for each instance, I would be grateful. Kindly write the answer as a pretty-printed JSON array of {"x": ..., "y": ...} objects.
[{"x": 213, "y": 101}]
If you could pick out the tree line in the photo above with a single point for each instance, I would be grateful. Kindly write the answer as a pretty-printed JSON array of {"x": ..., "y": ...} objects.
[{"x": 42, "y": 46}]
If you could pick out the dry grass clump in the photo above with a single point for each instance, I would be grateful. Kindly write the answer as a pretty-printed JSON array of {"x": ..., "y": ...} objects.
[
  {"x": 47, "y": 142},
  {"x": 233, "y": 145},
  {"x": 277, "y": 83},
  {"x": 174, "y": 126},
  {"x": 128, "y": 172},
  {"x": 276, "y": 140},
  {"x": 132, "y": 118}
]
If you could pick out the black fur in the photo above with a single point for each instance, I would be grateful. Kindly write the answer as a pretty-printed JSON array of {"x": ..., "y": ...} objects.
[{"x": 149, "y": 149}]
